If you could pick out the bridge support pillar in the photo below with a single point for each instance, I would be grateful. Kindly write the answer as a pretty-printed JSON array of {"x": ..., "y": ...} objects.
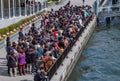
[
  {"x": 97, "y": 21},
  {"x": 114, "y": 2},
  {"x": 108, "y": 21},
  {"x": 112, "y": 18}
]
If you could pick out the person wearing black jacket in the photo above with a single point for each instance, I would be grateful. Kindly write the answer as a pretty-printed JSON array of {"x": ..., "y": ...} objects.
[
  {"x": 41, "y": 76},
  {"x": 12, "y": 64}
]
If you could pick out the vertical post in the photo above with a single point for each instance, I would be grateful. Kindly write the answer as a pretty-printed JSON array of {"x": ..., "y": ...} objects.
[
  {"x": 119, "y": 5},
  {"x": 25, "y": 9},
  {"x": 41, "y": 4},
  {"x": 33, "y": 7},
  {"x": 45, "y": 4},
  {"x": 97, "y": 21},
  {"x": 9, "y": 8},
  {"x": 108, "y": 9},
  {"x": 97, "y": 7},
  {"x": 30, "y": 8},
  {"x": 37, "y": 6},
  {"x": 19, "y": 8},
  {"x": 13, "y": 9},
  {"x": 108, "y": 21},
  {"x": 2, "y": 9}
]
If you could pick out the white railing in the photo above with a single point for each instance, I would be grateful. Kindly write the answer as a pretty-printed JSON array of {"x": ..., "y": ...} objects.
[
  {"x": 108, "y": 8},
  {"x": 109, "y": 11}
]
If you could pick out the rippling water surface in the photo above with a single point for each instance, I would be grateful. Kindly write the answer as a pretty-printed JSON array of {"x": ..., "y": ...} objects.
[{"x": 100, "y": 60}]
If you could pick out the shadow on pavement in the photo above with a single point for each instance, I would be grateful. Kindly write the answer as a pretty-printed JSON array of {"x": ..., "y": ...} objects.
[
  {"x": 3, "y": 67},
  {"x": 26, "y": 80},
  {"x": 3, "y": 71},
  {"x": 2, "y": 58}
]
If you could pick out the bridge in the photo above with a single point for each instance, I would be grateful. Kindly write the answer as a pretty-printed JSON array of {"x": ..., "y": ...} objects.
[{"x": 109, "y": 11}]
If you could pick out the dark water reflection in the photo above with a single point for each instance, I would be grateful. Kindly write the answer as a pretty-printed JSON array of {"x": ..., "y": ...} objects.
[{"x": 100, "y": 61}]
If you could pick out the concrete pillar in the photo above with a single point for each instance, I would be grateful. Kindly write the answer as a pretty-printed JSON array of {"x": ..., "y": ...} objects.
[
  {"x": 2, "y": 9},
  {"x": 30, "y": 8},
  {"x": 112, "y": 18},
  {"x": 98, "y": 6},
  {"x": 108, "y": 21},
  {"x": 95, "y": 8},
  {"x": 37, "y": 6},
  {"x": 114, "y": 2},
  {"x": 33, "y": 6},
  {"x": 9, "y": 8},
  {"x": 13, "y": 8},
  {"x": 45, "y": 4},
  {"x": 19, "y": 8},
  {"x": 97, "y": 21},
  {"x": 25, "y": 9}
]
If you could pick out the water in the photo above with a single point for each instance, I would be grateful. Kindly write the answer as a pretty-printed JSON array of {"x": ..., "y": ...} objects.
[{"x": 100, "y": 60}]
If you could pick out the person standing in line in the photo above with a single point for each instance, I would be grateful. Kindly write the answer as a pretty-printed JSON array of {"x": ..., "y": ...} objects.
[
  {"x": 12, "y": 64},
  {"x": 83, "y": 2},
  {"x": 7, "y": 41},
  {"x": 21, "y": 62},
  {"x": 9, "y": 49},
  {"x": 41, "y": 75},
  {"x": 21, "y": 35}
]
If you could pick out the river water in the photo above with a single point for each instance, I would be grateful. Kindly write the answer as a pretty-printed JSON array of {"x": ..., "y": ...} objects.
[{"x": 100, "y": 60}]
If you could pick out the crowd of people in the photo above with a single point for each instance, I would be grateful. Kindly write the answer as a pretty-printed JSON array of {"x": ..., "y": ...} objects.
[{"x": 38, "y": 49}]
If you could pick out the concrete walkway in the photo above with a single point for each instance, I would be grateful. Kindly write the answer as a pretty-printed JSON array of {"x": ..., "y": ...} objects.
[{"x": 28, "y": 77}]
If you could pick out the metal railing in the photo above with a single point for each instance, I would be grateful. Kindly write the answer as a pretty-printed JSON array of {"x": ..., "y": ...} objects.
[
  {"x": 52, "y": 70},
  {"x": 109, "y": 11},
  {"x": 101, "y": 2},
  {"x": 15, "y": 36}
]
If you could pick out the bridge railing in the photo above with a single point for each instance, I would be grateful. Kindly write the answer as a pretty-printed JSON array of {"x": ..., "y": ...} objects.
[
  {"x": 108, "y": 9},
  {"x": 101, "y": 2},
  {"x": 52, "y": 70}
]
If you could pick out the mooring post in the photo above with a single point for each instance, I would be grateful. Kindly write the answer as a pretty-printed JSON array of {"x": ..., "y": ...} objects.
[
  {"x": 97, "y": 21},
  {"x": 108, "y": 21},
  {"x": 114, "y": 2}
]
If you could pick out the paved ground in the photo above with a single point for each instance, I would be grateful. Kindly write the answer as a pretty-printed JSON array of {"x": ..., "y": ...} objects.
[
  {"x": 29, "y": 77},
  {"x": 7, "y": 22}
]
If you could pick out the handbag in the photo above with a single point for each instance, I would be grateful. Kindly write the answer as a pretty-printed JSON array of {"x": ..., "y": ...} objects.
[{"x": 15, "y": 60}]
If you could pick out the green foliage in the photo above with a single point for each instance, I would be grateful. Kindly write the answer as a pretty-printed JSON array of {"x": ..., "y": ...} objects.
[
  {"x": 11, "y": 27},
  {"x": 49, "y": 0},
  {"x": 4, "y": 31},
  {"x": 55, "y": 0}
]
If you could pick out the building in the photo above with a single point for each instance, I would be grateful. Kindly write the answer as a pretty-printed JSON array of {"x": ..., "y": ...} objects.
[{"x": 16, "y": 8}]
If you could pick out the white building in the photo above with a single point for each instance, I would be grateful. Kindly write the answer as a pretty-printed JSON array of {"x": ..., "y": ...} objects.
[{"x": 16, "y": 8}]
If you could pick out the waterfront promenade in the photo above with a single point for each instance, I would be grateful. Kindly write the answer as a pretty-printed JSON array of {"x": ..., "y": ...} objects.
[{"x": 3, "y": 71}]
